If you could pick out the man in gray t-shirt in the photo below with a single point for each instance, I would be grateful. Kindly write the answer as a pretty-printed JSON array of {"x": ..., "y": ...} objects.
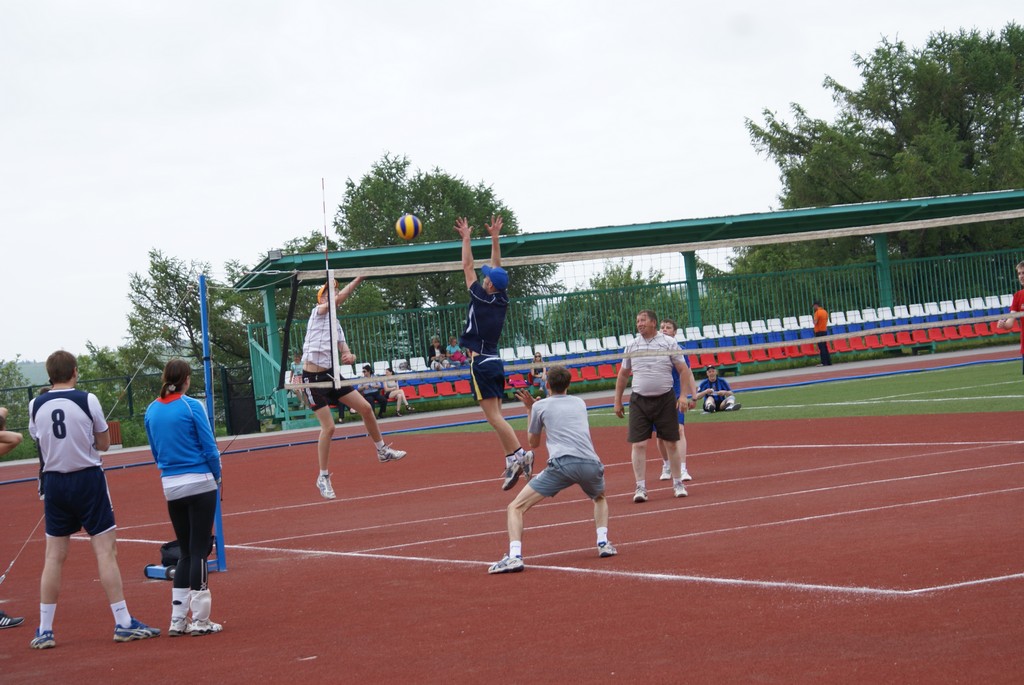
[{"x": 571, "y": 461}]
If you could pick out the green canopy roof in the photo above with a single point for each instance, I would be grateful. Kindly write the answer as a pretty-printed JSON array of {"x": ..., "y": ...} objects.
[{"x": 678, "y": 235}]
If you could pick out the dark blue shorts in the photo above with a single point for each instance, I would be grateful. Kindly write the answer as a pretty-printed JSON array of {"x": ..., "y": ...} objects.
[
  {"x": 487, "y": 373},
  {"x": 77, "y": 500}
]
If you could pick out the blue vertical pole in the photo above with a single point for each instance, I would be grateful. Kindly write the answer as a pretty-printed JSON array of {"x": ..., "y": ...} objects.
[{"x": 218, "y": 564}]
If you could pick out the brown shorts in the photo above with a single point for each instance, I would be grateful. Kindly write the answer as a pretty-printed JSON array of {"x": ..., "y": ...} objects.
[{"x": 647, "y": 413}]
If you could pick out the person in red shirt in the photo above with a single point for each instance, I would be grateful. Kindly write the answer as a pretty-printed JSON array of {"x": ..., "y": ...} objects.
[{"x": 1017, "y": 305}]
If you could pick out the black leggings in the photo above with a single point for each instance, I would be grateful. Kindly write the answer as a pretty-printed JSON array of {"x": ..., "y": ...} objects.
[{"x": 192, "y": 518}]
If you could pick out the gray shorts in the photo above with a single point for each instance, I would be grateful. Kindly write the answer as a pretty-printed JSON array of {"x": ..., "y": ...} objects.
[{"x": 565, "y": 472}]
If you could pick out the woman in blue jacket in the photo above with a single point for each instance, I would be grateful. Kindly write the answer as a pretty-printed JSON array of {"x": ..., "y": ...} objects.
[{"x": 185, "y": 450}]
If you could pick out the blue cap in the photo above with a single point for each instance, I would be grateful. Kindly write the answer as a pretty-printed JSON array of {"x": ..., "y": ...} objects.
[{"x": 498, "y": 276}]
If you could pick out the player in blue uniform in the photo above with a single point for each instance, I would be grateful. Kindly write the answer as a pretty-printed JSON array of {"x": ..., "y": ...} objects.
[{"x": 488, "y": 304}]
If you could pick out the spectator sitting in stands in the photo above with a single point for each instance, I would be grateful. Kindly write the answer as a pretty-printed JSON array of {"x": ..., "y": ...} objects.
[
  {"x": 455, "y": 353},
  {"x": 392, "y": 391},
  {"x": 373, "y": 391},
  {"x": 437, "y": 357},
  {"x": 715, "y": 393},
  {"x": 538, "y": 375}
]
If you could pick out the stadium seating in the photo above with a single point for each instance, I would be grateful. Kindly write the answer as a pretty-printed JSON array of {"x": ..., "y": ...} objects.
[
  {"x": 593, "y": 346},
  {"x": 543, "y": 348},
  {"x": 611, "y": 342},
  {"x": 790, "y": 328},
  {"x": 524, "y": 352},
  {"x": 854, "y": 321},
  {"x": 963, "y": 309},
  {"x": 947, "y": 310},
  {"x": 625, "y": 339},
  {"x": 870, "y": 318},
  {"x": 932, "y": 312}
]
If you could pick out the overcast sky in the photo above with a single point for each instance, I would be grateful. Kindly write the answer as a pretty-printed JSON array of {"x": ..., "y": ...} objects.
[{"x": 203, "y": 129}]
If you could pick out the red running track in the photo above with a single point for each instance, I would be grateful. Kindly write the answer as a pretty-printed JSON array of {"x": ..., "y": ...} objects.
[{"x": 849, "y": 550}]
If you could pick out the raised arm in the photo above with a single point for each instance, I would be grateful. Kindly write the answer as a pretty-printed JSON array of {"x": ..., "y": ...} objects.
[
  {"x": 494, "y": 228},
  {"x": 464, "y": 230}
]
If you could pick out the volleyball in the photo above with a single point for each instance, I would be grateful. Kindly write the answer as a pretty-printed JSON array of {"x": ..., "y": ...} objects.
[{"x": 407, "y": 227}]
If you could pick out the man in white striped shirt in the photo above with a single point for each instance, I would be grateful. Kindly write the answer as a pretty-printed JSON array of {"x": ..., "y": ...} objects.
[{"x": 650, "y": 359}]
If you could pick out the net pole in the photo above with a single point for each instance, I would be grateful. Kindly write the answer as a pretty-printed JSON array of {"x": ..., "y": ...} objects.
[{"x": 219, "y": 563}]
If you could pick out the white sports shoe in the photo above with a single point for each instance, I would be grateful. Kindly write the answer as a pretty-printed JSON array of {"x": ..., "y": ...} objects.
[
  {"x": 640, "y": 495},
  {"x": 666, "y": 472},
  {"x": 679, "y": 490},
  {"x": 324, "y": 484},
  {"x": 388, "y": 453},
  {"x": 179, "y": 626},
  {"x": 205, "y": 627},
  {"x": 686, "y": 475}
]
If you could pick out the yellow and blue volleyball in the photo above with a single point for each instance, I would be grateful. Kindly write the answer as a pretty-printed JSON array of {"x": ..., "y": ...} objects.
[{"x": 408, "y": 227}]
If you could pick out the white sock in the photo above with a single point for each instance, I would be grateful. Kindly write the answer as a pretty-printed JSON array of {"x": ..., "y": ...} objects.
[
  {"x": 180, "y": 597},
  {"x": 379, "y": 444},
  {"x": 642, "y": 484},
  {"x": 121, "y": 615},
  {"x": 46, "y": 612},
  {"x": 515, "y": 548},
  {"x": 324, "y": 472},
  {"x": 677, "y": 481},
  {"x": 602, "y": 535}
]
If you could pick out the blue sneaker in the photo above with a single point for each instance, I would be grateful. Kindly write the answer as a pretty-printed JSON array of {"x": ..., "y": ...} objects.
[
  {"x": 43, "y": 640},
  {"x": 136, "y": 631}
]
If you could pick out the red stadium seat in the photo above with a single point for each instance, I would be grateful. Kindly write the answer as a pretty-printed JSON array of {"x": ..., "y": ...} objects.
[
  {"x": 842, "y": 345},
  {"x": 707, "y": 359},
  {"x": 517, "y": 380},
  {"x": 966, "y": 331},
  {"x": 462, "y": 387},
  {"x": 726, "y": 358},
  {"x": 920, "y": 336},
  {"x": 446, "y": 389},
  {"x": 589, "y": 373},
  {"x": 794, "y": 351},
  {"x": 760, "y": 355},
  {"x": 410, "y": 392},
  {"x": 889, "y": 340},
  {"x": 608, "y": 371},
  {"x": 982, "y": 329},
  {"x": 858, "y": 344},
  {"x": 936, "y": 335},
  {"x": 904, "y": 338},
  {"x": 951, "y": 333},
  {"x": 427, "y": 391},
  {"x": 873, "y": 343},
  {"x": 776, "y": 353},
  {"x": 809, "y": 349},
  {"x": 743, "y": 357}
]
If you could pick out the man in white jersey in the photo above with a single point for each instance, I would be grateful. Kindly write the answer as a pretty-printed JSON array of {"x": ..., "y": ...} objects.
[
  {"x": 71, "y": 431},
  {"x": 653, "y": 404},
  {"x": 318, "y": 367},
  {"x": 571, "y": 461}
]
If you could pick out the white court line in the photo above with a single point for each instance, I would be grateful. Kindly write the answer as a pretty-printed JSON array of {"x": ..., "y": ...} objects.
[
  {"x": 680, "y": 577},
  {"x": 564, "y": 502},
  {"x": 634, "y": 575}
]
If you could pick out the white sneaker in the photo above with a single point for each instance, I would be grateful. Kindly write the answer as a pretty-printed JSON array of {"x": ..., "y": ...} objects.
[
  {"x": 679, "y": 490},
  {"x": 640, "y": 495},
  {"x": 324, "y": 484},
  {"x": 686, "y": 475},
  {"x": 666, "y": 472},
  {"x": 179, "y": 626},
  {"x": 388, "y": 453},
  {"x": 205, "y": 627}
]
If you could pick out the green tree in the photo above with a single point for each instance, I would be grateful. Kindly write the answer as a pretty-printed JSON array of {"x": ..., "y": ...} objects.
[
  {"x": 367, "y": 215},
  {"x": 944, "y": 119},
  {"x": 165, "y": 320}
]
